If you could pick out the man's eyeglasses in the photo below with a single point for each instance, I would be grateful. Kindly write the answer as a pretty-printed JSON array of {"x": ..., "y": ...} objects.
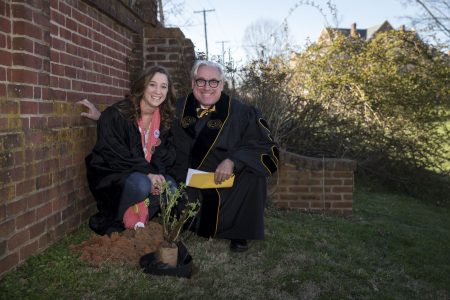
[{"x": 202, "y": 82}]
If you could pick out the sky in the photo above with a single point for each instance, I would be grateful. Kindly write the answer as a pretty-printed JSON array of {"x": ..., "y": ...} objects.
[{"x": 228, "y": 19}]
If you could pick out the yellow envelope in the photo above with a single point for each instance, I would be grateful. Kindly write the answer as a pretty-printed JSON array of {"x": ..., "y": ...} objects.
[{"x": 206, "y": 181}]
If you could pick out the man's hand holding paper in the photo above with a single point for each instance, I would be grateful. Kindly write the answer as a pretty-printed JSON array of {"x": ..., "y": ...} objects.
[
  {"x": 205, "y": 180},
  {"x": 224, "y": 171}
]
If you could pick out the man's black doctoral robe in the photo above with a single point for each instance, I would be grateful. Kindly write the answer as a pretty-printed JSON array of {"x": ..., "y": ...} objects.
[
  {"x": 238, "y": 132},
  {"x": 118, "y": 153}
]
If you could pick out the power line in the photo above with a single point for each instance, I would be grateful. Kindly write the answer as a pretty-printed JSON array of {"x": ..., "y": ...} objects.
[{"x": 204, "y": 24}]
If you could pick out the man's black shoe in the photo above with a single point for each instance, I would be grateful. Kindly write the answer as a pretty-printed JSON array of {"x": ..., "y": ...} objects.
[{"x": 238, "y": 245}]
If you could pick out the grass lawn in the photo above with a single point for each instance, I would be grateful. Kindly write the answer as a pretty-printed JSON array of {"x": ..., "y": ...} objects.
[{"x": 393, "y": 247}]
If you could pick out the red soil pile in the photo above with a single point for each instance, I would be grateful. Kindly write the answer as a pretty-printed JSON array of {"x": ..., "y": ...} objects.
[{"x": 125, "y": 247}]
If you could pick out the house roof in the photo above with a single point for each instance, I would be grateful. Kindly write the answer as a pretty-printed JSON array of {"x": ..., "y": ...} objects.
[{"x": 367, "y": 33}]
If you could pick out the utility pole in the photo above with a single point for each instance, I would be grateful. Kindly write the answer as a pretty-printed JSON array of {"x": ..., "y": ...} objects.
[
  {"x": 223, "y": 50},
  {"x": 204, "y": 25},
  {"x": 161, "y": 12}
]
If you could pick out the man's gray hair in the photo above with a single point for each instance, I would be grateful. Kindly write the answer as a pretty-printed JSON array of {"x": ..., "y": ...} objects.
[{"x": 208, "y": 63}]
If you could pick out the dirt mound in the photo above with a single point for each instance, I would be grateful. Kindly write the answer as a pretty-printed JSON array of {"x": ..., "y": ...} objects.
[{"x": 125, "y": 247}]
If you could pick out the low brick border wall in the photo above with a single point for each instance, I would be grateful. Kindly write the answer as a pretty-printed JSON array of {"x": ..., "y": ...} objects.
[{"x": 313, "y": 184}]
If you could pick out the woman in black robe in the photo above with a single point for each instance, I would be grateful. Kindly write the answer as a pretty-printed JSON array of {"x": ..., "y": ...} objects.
[{"x": 133, "y": 150}]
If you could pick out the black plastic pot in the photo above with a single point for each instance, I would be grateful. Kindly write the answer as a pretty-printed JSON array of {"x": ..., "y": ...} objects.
[{"x": 183, "y": 269}]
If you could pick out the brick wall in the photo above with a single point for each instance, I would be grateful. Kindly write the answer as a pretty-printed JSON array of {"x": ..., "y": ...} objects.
[
  {"x": 313, "y": 184},
  {"x": 52, "y": 54},
  {"x": 169, "y": 47}
]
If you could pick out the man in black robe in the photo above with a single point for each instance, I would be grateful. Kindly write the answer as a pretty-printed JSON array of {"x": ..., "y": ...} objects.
[{"x": 215, "y": 133}]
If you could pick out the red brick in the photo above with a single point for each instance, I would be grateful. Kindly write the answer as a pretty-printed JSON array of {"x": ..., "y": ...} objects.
[
  {"x": 311, "y": 182},
  {"x": 333, "y": 182},
  {"x": 333, "y": 197},
  {"x": 61, "y": 230},
  {"x": 45, "y": 93},
  {"x": 57, "y": 69},
  {"x": 58, "y": 44},
  {"x": 348, "y": 197},
  {"x": 3, "y": 245},
  {"x": 53, "y": 220},
  {"x": 3, "y": 89},
  {"x": 38, "y": 122},
  {"x": 25, "y": 219},
  {"x": 37, "y": 94},
  {"x": 44, "y": 181},
  {"x": 71, "y": 24},
  {"x": 7, "y": 227},
  {"x": 316, "y": 204},
  {"x": 64, "y": 83},
  {"x": 298, "y": 189},
  {"x": 3, "y": 39},
  {"x": 44, "y": 211},
  {"x": 23, "y": 44},
  {"x": 9, "y": 262},
  {"x": 311, "y": 197},
  {"x": 37, "y": 199},
  {"x": 16, "y": 207},
  {"x": 343, "y": 204},
  {"x": 54, "y": 56},
  {"x": 345, "y": 175},
  {"x": 319, "y": 189},
  {"x": 2, "y": 211},
  {"x": 45, "y": 108},
  {"x": 8, "y": 192},
  {"x": 37, "y": 229},
  {"x": 5, "y": 58},
  {"x": 348, "y": 182},
  {"x": 317, "y": 174},
  {"x": 18, "y": 239},
  {"x": 44, "y": 78},
  {"x": 57, "y": 17},
  {"x": 27, "y": 29},
  {"x": 59, "y": 203},
  {"x": 28, "y": 250},
  {"x": 46, "y": 239},
  {"x": 20, "y": 91},
  {"x": 291, "y": 181},
  {"x": 5, "y": 24},
  {"x": 3, "y": 121},
  {"x": 28, "y": 107},
  {"x": 19, "y": 157},
  {"x": 24, "y": 76},
  {"x": 25, "y": 187},
  {"x": 342, "y": 189},
  {"x": 20, "y": 11}
]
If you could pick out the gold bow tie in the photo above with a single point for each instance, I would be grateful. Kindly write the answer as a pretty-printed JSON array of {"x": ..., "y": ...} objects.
[{"x": 204, "y": 111}]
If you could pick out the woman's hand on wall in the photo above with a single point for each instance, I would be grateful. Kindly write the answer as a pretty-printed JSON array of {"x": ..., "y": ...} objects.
[{"x": 93, "y": 113}]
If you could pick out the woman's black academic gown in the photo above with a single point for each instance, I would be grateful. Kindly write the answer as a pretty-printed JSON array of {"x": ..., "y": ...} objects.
[{"x": 116, "y": 154}]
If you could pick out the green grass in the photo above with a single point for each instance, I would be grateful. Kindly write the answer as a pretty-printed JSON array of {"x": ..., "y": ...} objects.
[{"x": 393, "y": 247}]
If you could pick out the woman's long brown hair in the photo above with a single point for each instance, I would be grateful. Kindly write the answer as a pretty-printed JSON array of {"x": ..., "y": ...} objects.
[{"x": 133, "y": 112}]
